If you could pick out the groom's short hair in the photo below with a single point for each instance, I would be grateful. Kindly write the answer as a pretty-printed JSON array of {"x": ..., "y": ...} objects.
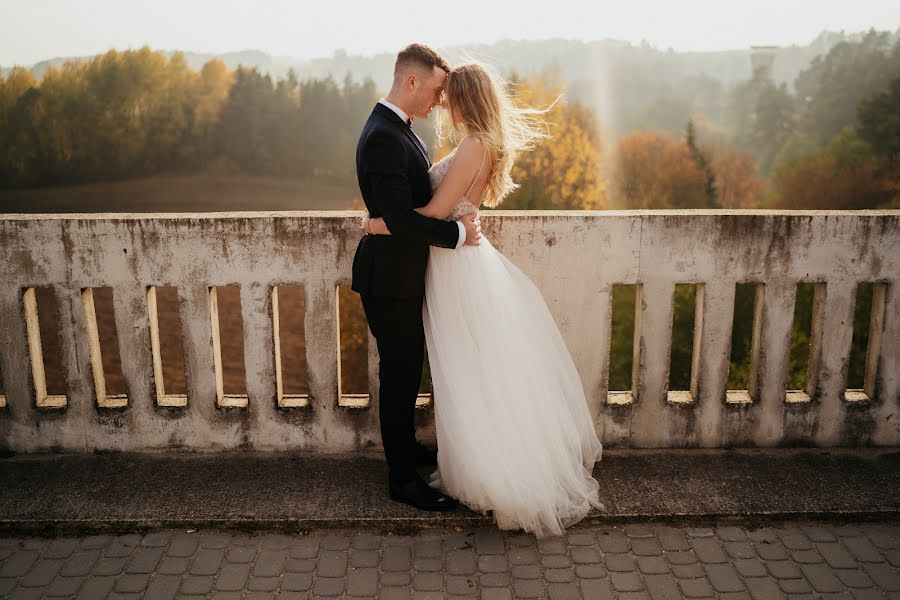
[{"x": 422, "y": 56}]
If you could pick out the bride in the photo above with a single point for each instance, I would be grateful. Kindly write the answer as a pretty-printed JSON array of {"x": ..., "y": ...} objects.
[{"x": 514, "y": 432}]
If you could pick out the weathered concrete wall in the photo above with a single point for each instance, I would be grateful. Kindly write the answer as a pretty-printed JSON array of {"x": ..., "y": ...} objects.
[{"x": 574, "y": 257}]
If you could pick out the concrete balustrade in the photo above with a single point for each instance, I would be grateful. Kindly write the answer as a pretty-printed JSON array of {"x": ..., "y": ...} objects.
[{"x": 575, "y": 258}]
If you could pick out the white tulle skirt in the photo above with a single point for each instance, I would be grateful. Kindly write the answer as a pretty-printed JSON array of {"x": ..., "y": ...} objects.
[{"x": 514, "y": 432}]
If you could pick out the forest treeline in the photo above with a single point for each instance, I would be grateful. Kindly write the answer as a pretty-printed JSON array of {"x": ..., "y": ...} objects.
[{"x": 831, "y": 142}]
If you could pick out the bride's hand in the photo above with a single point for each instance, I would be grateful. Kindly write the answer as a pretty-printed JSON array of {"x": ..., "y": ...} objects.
[{"x": 364, "y": 222}]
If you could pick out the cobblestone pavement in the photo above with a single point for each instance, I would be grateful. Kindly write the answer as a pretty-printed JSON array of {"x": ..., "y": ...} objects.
[{"x": 631, "y": 562}]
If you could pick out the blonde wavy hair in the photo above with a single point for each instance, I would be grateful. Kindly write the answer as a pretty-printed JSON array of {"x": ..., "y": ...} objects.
[{"x": 481, "y": 106}]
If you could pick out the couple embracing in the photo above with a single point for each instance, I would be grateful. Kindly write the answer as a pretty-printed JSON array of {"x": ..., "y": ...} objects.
[{"x": 514, "y": 432}]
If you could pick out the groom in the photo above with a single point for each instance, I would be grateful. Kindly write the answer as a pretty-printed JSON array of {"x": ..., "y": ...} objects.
[{"x": 389, "y": 271}]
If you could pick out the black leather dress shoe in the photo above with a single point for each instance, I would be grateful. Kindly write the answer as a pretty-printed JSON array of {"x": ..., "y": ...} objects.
[
  {"x": 419, "y": 494},
  {"x": 425, "y": 456}
]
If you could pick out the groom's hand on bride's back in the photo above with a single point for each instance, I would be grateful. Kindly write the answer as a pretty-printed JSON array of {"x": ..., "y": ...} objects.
[{"x": 473, "y": 229}]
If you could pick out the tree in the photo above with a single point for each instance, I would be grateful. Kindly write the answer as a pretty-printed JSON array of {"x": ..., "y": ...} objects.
[
  {"x": 703, "y": 164},
  {"x": 843, "y": 175},
  {"x": 879, "y": 122},
  {"x": 654, "y": 170},
  {"x": 738, "y": 184}
]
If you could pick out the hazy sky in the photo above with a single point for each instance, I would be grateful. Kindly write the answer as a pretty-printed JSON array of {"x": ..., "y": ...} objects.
[{"x": 33, "y": 30}]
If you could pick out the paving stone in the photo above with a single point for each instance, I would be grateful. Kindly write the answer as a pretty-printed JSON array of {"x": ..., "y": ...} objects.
[
  {"x": 41, "y": 573},
  {"x": 335, "y": 542},
  {"x": 399, "y": 558},
  {"x": 495, "y": 580},
  {"x": 724, "y": 578},
  {"x": 836, "y": 555},
  {"x": 80, "y": 563},
  {"x": 233, "y": 577},
  {"x": 863, "y": 550},
  {"x": 646, "y": 547},
  {"x": 559, "y": 575},
  {"x": 395, "y": 593},
  {"x": 620, "y": 563},
  {"x": 818, "y": 534},
  {"x": 163, "y": 587},
  {"x": 364, "y": 558},
  {"x": 739, "y": 549},
  {"x": 883, "y": 536},
  {"x": 332, "y": 564},
  {"x": 240, "y": 554},
  {"x": 613, "y": 541},
  {"x": 157, "y": 539},
  {"x": 662, "y": 587},
  {"x": 784, "y": 569},
  {"x": 173, "y": 566},
  {"x": 750, "y": 567},
  {"x": 19, "y": 563},
  {"x": 196, "y": 585},
  {"x": 307, "y": 548},
  {"x": 671, "y": 538},
  {"x": 771, "y": 550},
  {"x": 95, "y": 542},
  {"x": 275, "y": 541},
  {"x": 699, "y": 532},
  {"x": 301, "y": 565},
  {"x": 854, "y": 578},
  {"x": 493, "y": 563},
  {"x": 563, "y": 591},
  {"x": 427, "y": 564},
  {"x": 794, "y": 586},
  {"x": 552, "y": 545},
  {"x": 61, "y": 548},
  {"x": 597, "y": 589},
  {"x": 688, "y": 571},
  {"x": 296, "y": 582},
  {"x": 460, "y": 584},
  {"x": 365, "y": 541},
  {"x": 263, "y": 584},
  {"x": 885, "y": 577},
  {"x": 144, "y": 560},
  {"x": 133, "y": 582},
  {"x": 427, "y": 549},
  {"x": 396, "y": 578},
  {"x": 822, "y": 578},
  {"x": 590, "y": 571},
  {"x": 638, "y": 531},
  {"x": 96, "y": 587},
  {"x": 489, "y": 541},
  {"x": 794, "y": 539},
  {"x": 185, "y": 545},
  {"x": 626, "y": 582},
  {"x": 523, "y": 556},
  {"x": 63, "y": 587},
  {"x": 680, "y": 557},
  {"x": 527, "y": 588},
  {"x": 581, "y": 539},
  {"x": 428, "y": 581},
  {"x": 652, "y": 565},
  {"x": 110, "y": 566},
  {"x": 496, "y": 594},
  {"x": 526, "y": 572},
  {"x": 556, "y": 561},
  {"x": 460, "y": 562},
  {"x": 708, "y": 550},
  {"x": 328, "y": 586},
  {"x": 207, "y": 561},
  {"x": 806, "y": 557},
  {"x": 762, "y": 588},
  {"x": 584, "y": 555},
  {"x": 270, "y": 563},
  {"x": 209, "y": 540},
  {"x": 731, "y": 534},
  {"x": 695, "y": 588}
]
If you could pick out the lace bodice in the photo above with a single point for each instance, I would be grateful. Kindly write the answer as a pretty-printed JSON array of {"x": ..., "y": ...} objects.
[{"x": 436, "y": 175}]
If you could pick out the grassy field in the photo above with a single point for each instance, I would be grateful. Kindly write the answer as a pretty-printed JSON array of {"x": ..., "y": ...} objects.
[{"x": 182, "y": 193}]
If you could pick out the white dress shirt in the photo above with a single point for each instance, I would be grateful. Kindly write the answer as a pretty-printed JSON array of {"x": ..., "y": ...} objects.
[{"x": 404, "y": 117}]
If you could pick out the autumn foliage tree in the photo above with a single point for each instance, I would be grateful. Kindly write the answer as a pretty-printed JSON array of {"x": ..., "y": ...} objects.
[{"x": 654, "y": 170}]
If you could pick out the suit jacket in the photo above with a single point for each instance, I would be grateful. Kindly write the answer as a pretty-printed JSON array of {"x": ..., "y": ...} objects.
[{"x": 392, "y": 169}]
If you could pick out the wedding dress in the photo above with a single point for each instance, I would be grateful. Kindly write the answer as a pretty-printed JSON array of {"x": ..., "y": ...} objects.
[{"x": 514, "y": 432}]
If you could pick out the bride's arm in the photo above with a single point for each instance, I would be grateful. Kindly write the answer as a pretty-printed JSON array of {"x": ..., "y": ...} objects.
[{"x": 464, "y": 167}]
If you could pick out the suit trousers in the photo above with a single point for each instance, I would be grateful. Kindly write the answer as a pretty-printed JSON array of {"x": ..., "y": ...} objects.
[{"x": 396, "y": 324}]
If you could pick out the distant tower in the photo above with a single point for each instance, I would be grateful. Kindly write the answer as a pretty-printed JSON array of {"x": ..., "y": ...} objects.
[{"x": 761, "y": 59}]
